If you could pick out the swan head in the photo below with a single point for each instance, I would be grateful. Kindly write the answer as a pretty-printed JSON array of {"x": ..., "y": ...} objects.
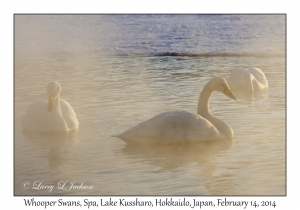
[
  {"x": 220, "y": 84},
  {"x": 53, "y": 90}
]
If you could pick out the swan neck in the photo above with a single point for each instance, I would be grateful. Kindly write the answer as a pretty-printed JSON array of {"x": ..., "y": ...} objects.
[
  {"x": 56, "y": 105},
  {"x": 203, "y": 103},
  {"x": 203, "y": 110}
]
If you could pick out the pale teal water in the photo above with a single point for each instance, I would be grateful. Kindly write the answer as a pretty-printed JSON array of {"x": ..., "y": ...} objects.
[{"x": 113, "y": 93}]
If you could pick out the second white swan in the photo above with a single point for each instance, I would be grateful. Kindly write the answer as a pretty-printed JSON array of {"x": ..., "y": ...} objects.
[
  {"x": 54, "y": 115},
  {"x": 248, "y": 80},
  {"x": 183, "y": 126}
]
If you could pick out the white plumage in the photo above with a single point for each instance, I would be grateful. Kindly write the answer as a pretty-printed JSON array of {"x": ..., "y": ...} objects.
[
  {"x": 248, "y": 80},
  {"x": 183, "y": 126},
  {"x": 54, "y": 115}
]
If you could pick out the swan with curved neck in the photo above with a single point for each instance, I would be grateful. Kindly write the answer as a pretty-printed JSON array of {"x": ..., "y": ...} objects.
[
  {"x": 54, "y": 115},
  {"x": 182, "y": 126},
  {"x": 247, "y": 80}
]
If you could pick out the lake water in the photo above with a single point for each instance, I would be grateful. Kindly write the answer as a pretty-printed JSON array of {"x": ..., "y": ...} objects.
[{"x": 119, "y": 70}]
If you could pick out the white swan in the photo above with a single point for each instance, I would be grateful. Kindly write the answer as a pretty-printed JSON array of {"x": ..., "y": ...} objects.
[
  {"x": 54, "y": 115},
  {"x": 183, "y": 126},
  {"x": 248, "y": 80}
]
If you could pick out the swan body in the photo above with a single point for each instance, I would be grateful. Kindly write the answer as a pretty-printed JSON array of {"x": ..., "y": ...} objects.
[
  {"x": 182, "y": 126},
  {"x": 249, "y": 80},
  {"x": 54, "y": 115}
]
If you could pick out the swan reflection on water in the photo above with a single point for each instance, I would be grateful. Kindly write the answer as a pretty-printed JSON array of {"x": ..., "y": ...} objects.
[
  {"x": 172, "y": 156},
  {"x": 247, "y": 96},
  {"x": 54, "y": 142}
]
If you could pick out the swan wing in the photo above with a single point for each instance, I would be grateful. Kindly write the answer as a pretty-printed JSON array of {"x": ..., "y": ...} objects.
[
  {"x": 69, "y": 114},
  {"x": 174, "y": 126},
  {"x": 38, "y": 119},
  {"x": 259, "y": 76}
]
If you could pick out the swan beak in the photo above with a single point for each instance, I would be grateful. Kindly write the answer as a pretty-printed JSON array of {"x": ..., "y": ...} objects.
[
  {"x": 228, "y": 93},
  {"x": 50, "y": 102}
]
